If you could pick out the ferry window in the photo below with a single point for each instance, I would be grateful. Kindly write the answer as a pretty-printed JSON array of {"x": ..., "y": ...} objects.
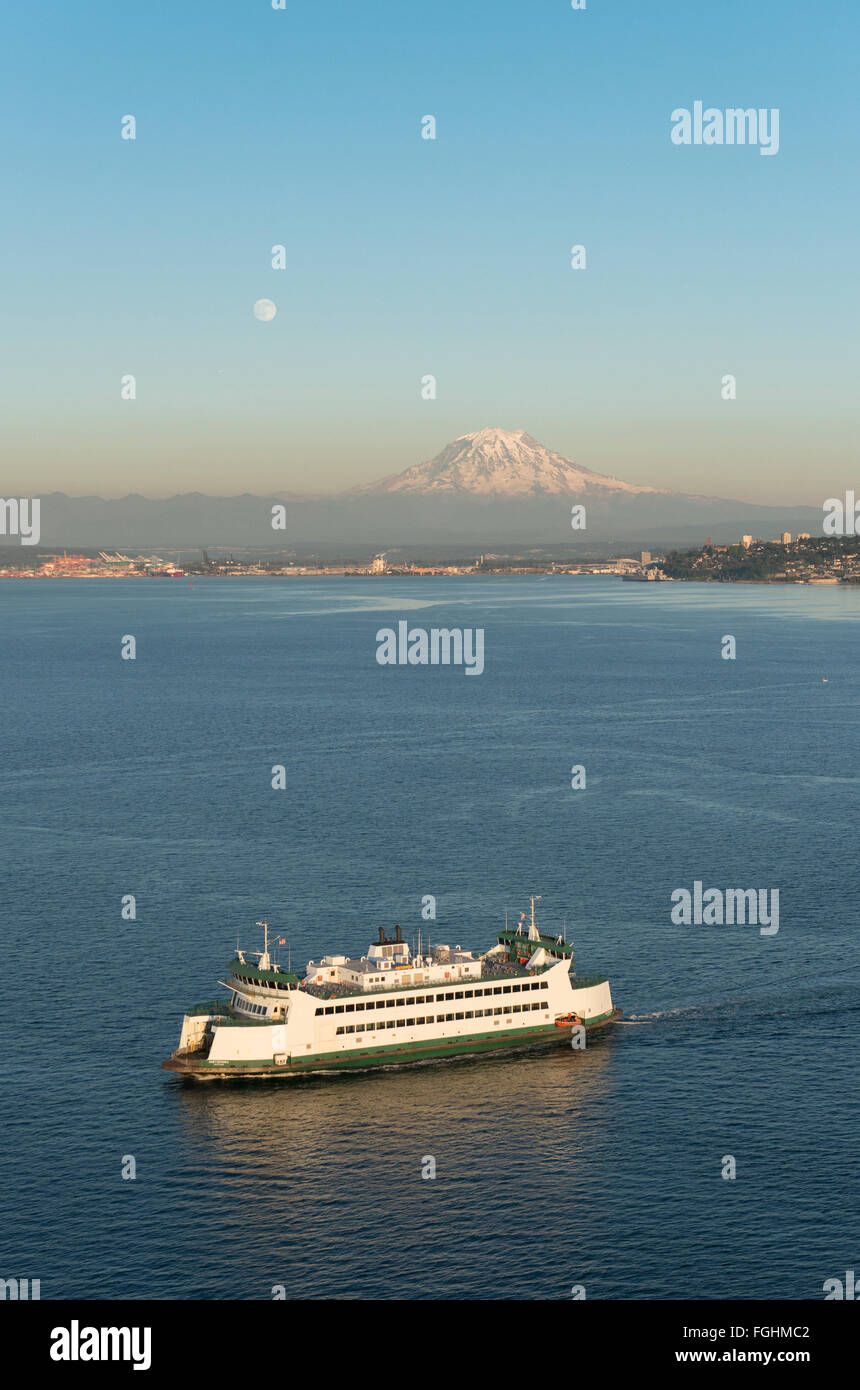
[
  {"x": 339, "y": 1008},
  {"x": 338, "y": 1030},
  {"x": 506, "y": 989},
  {"x": 350, "y": 1008},
  {"x": 459, "y": 1015},
  {"x": 390, "y": 1023},
  {"x": 401, "y": 1023},
  {"x": 439, "y": 998},
  {"x": 350, "y": 1027},
  {"x": 449, "y": 996},
  {"x": 410, "y": 1023},
  {"x": 518, "y": 1008},
  {"x": 497, "y": 1011},
  {"x": 359, "y": 1006},
  {"x": 328, "y": 1011},
  {"x": 448, "y": 1018},
  {"x": 468, "y": 994},
  {"x": 497, "y": 989},
  {"x": 469, "y": 1015},
  {"x": 544, "y": 985},
  {"x": 400, "y": 1003}
]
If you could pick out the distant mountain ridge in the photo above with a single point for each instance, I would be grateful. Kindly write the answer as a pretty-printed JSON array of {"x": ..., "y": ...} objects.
[{"x": 485, "y": 488}]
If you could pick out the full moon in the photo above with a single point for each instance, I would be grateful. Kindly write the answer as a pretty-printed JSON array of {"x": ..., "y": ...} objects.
[{"x": 265, "y": 310}]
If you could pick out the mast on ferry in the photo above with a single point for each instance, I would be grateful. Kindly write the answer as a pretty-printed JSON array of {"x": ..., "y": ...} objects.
[
  {"x": 265, "y": 962},
  {"x": 534, "y": 934}
]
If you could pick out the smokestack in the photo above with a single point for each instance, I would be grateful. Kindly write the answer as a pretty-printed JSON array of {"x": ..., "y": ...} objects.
[
  {"x": 397, "y": 936},
  {"x": 382, "y": 936}
]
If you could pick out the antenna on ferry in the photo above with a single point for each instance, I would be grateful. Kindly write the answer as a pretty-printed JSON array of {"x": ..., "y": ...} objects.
[
  {"x": 264, "y": 959},
  {"x": 534, "y": 934}
]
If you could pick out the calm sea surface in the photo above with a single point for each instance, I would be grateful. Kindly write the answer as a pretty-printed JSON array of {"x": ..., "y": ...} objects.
[{"x": 153, "y": 777}]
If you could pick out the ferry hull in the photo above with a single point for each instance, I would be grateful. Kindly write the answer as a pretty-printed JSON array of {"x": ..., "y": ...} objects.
[{"x": 193, "y": 1068}]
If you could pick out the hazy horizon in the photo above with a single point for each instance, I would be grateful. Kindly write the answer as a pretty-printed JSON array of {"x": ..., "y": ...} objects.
[
  {"x": 258, "y": 128},
  {"x": 334, "y": 492}
]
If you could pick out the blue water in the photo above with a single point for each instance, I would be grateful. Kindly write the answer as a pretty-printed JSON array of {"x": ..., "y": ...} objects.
[{"x": 152, "y": 777}]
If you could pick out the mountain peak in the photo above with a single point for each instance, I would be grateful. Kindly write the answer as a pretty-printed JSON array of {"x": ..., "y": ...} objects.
[{"x": 499, "y": 463}]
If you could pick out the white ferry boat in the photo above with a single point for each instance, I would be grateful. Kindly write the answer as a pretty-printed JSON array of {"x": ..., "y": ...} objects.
[{"x": 391, "y": 1007}]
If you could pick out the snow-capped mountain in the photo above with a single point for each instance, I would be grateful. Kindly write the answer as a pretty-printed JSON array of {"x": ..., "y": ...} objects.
[
  {"x": 496, "y": 463},
  {"x": 491, "y": 487}
]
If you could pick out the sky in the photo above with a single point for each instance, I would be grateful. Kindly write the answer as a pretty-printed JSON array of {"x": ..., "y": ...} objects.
[{"x": 405, "y": 257}]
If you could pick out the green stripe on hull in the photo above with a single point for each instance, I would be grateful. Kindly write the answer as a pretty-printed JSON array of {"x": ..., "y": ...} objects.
[
  {"x": 390, "y": 1054},
  {"x": 416, "y": 1052}
]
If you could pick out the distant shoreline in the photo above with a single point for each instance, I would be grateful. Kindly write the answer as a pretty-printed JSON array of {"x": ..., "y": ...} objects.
[{"x": 194, "y": 578}]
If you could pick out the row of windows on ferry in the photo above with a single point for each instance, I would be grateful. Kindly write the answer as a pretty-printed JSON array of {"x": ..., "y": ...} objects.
[
  {"x": 264, "y": 984},
  {"x": 248, "y": 1006},
  {"x": 509, "y": 1008},
  {"x": 430, "y": 999}
]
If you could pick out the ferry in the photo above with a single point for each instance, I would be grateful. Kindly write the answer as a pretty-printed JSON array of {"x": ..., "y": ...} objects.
[{"x": 391, "y": 1007}]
